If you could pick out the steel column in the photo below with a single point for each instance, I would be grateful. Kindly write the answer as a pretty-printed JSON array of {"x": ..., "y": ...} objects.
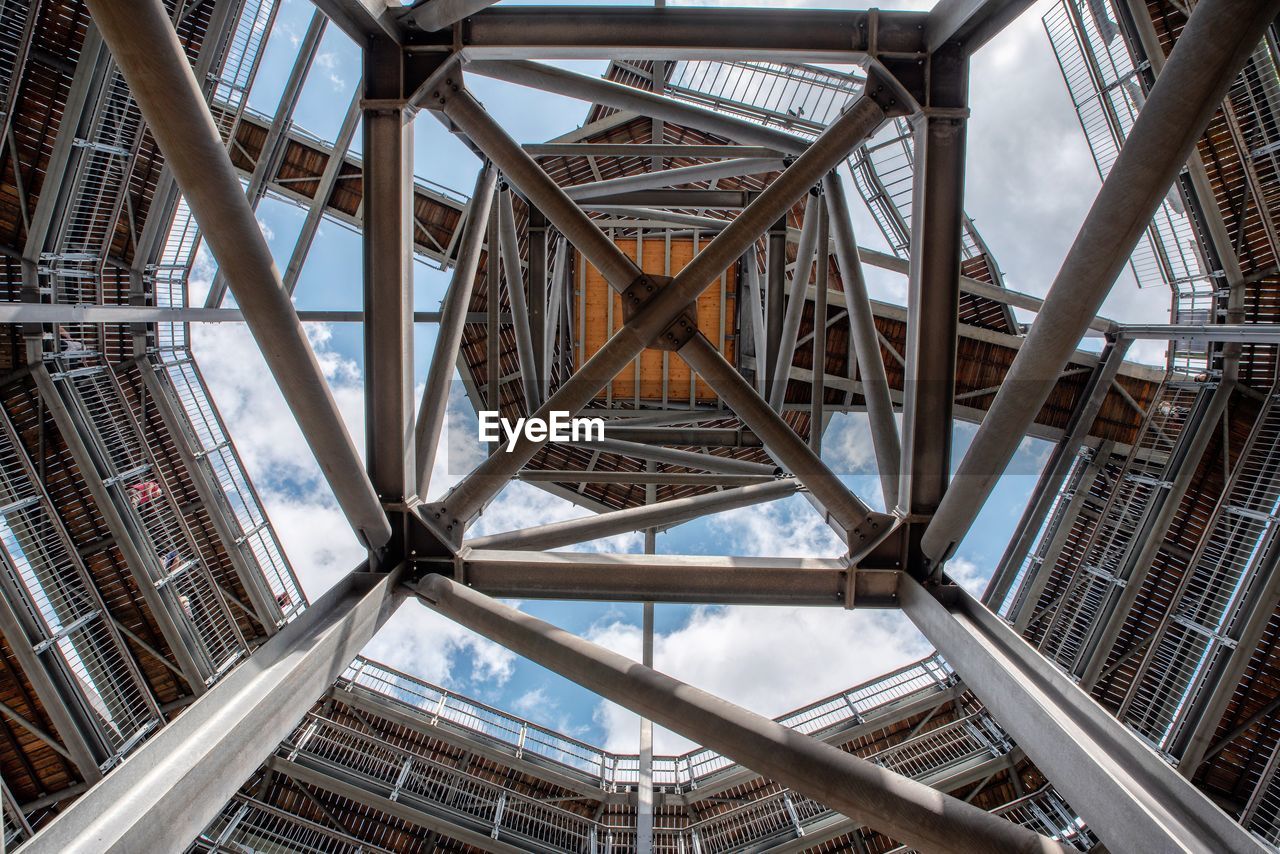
[
  {"x": 453, "y": 317},
  {"x": 178, "y": 780},
  {"x": 388, "y": 275},
  {"x": 664, "y": 514},
  {"x": 904, "y": 809},
  {"x": 1215, "y": 43},
  {"x": 1126, "y": 792},
  {"x": 774, "y": 302},
  {"x": 933, "y": 298},
  {"x": 146, "y": 49}
]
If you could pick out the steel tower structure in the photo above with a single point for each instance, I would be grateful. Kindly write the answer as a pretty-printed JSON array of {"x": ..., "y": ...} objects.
[{"x": 166, "y": 686}]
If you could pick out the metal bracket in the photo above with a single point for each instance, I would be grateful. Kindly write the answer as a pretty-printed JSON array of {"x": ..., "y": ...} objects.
[{"x": 637, "y": 296}]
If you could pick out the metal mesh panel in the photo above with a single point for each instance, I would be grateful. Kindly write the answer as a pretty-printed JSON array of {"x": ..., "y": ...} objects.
[
  {"x": 145, "y": 500},
  {"x": 247, "y": 825},
  {"x": 1058, "y": 514},
  {"x": 1107, "y": 91},
  {"x": 1101, "y": 572},
  {"x": 206, "y": 437},
  {"x": 413, "y": 779},
  {"x": 70, "y": 629},
  {"x": 13, "y": 18},
  {"x": 1229, "y": 560}
]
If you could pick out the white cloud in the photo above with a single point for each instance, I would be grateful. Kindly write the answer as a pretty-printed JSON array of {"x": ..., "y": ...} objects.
[{"x": 769, "y": 660}]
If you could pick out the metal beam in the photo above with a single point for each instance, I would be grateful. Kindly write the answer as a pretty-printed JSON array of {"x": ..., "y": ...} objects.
[
  {"x": 908, "y": 811},
  {"x": 324, "y": 189},
  {"x": 362, "y": 20},
  {"x": 434, "y": 15},
  {"x": 1218, "y": 38},
  {"x": 690, "y": 579},
  {"x": 933, "y": 293},
  {"x": 147, "y": 51},
  {"x": 282, "y": 119},
  {"x": 675, "y": 176},
  {"x": 387, "y": 248},
  {"x": 607, "y": 32},
  {"x": 664, "y": 311},
  {"x": 1125, "y": 791},
  {"x": 176, "y": 782},
  {"x": 856, "y": 524},
  {"x": 664, "y": 514},
  {"x": 616, "y": 95},
  {"x": 684, "y": 459},
  {"x": 528, "y": 177},
  {"x": 969, "y": 23},
  {"x": 865, "y": 343},
  {"x": 1241, "y": 333},
  {"x": 513, "y": 274},
  {"x": 646, "y": 150},
  {"x": 453, "y": 317},
  {"x": 125, "y": 314},
  {"x": 642, "y": 477}
]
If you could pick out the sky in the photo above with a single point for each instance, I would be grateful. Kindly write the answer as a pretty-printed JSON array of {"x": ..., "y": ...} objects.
[{"x": 1030, "y": 181}]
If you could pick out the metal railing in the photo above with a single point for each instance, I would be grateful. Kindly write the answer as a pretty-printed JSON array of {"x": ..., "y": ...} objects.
[
  {"x": 143, "y": 496},
  {"x": 1238, "y": 552},
  {"x": 1045, "y": 812},
  {"x": 380, "y": 758},
  {"x": 65, "y": 622},
  {"x": 1147, "y": 475},
  {"x": 249, "y": 825},
  {"x": 612, "y": 770}
]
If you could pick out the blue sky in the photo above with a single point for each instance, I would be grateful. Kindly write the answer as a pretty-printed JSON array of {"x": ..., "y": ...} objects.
[{"x": 1030, "y": 181}]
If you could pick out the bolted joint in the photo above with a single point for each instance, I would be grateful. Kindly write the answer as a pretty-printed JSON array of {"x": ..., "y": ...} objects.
[
  {"x": 680, "y": 332},
  {"x": 888, "y": 93},
  {"x": 438, "y": 95},
  {"x": 638, "y": 294}
]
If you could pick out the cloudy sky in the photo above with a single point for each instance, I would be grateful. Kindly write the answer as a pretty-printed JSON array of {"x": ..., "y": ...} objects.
[{"x": 1030, "y": 181}]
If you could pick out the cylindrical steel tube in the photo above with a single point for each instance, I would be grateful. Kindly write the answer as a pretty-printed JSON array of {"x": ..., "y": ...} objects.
[
  {"x": 453, "y": 317},
  {"x": 524, "y": 172}
]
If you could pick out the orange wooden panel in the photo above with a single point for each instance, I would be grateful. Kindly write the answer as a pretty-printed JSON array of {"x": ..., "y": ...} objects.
[{"x": 600, "y": 310}]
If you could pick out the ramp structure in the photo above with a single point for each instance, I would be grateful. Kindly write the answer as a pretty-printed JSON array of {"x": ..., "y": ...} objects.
[{"x": 685, "y": 266}]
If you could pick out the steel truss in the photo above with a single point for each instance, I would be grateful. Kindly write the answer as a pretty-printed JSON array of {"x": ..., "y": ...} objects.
[{"x": 175, "y": 786}]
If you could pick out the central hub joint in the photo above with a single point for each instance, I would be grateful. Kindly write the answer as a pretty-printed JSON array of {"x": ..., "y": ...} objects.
[{"x": 640, "y": 292}]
